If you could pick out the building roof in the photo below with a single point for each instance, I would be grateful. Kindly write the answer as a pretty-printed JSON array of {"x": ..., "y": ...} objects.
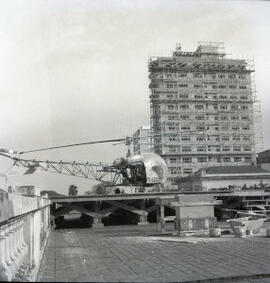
[
  {"x": 265, "y": 152},
  {"x": 234, "y": 170}
]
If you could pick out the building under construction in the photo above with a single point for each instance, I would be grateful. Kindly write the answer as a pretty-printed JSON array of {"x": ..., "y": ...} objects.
[{"x": 204, "y": 110}]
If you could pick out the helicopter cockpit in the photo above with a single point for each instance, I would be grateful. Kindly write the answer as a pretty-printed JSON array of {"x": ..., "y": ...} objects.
[{"x": 143, "y": 170}]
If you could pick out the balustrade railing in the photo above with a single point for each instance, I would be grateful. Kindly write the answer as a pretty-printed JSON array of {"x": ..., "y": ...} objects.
[{"x": 24, "y": 229}]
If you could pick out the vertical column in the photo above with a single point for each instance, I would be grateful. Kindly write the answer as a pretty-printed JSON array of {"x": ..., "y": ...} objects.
[
  {"x": 7, "y": 248},
  {"x": 3, "y": 248},
  {"x": 22, "y": 242},
  {"x": 97, "y": 222},
  {"x": 162, "y": 218},
  {"x": 31, "y": 241},
  {"x": 158, "y": 213},
  {"x": 12, "y": 242},
  {"x": 37, "y": 229},
  {"x": 14, "y": 239},
  {"x": 5, "y": 274},
  {"x": 143, "y": 218},
  {"x": 49, "y": 217}
]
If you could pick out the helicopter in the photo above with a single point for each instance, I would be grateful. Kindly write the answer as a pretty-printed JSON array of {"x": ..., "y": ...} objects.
[
  {"x": 125, "y": 175},
  {"x": 146, "y": 172}
]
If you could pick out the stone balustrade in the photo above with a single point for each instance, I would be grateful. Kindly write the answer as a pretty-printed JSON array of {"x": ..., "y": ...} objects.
[{"x": 24, "y": 229}]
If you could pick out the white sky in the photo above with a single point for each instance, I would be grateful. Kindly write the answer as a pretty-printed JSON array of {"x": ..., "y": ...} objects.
[{"x": 73, "y": 71}]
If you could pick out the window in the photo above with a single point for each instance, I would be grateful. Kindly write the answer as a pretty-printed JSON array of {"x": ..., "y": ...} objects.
[
  {"x": 175, "y": 171},
  {"x": 198, "y": 86},
  {"x": 172, "y": 148},
  {"x": 202, "y": 159},
  {"x": 221, "y": 86},
  {"x": 226, "y": 148},
  {"x": 186, "y": 138},
  {"x": 247, "y": 159},
  {"x": 169, "y": 96},
  {"x": 244, "y": 107},
  {"x": 233, "y": 97},
  {"x": 200, "y": 138},
  {"x": 226, "y": 159},
  {"x": 172, "y": 137},
  {"x": 170, "y": 107},
  {"x": 182, "y": 85},
  {"x": 172, "y": 117},
  {"x": 200, "y": 127},
  {"x": 186, "y": 160},
  {"x": 237, "y": 148},
  {"x": 217, "y": 147},
  {"x": 243, "y": 87},
  {"x": 234, "y": 118},
  {"x": 197, "y": 75},
  {"x": 170, "y": 85},
  {"x": 235, "y": 127},
  {"x": 186, "y": 148},
  {"x": 201, "y": 148},
  {"x": 183, "y": 96},
  {"x": 183, "y": 106},
  {"x": 181, "y": 75},
  {"x": 223, "y": 107},
  {"x": 236, "y": 138},
  {"x": 221, "y": 76},
  {"x": 187, "y": 170},
  {"x": 173, "y": 160},
  {"x": 223, "y": 97},
  {"x": 225, "y": 138},
  {"x": 246, "y": 138},
  {"x": 243, "y": 97},
  {"x": 232, "y": 86},
  {"x": 185, "y": 127},
  {"x": 199, "y": 117},
  {"x": 199, "y": 107},
  {"x": 231, "y": 76},
  {"x": 245, "y": 128},
  {"x": 237, "y": 159},
  {"x": 245, "y": 118},
  {"x": 247, "y": 148},
  {"x": 184, "y": 117},
  {"x": 198, "y": 96}
]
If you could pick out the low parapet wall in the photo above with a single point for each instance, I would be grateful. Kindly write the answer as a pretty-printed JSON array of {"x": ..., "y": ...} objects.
[{"x": 24, "y": 229}]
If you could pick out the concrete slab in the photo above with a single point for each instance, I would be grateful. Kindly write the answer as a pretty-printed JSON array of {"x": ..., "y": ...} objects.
[{"x": 128, "y": 254}]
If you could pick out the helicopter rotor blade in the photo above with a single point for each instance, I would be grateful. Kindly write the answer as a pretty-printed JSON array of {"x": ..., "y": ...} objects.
[{"x": 73, "y": 144}]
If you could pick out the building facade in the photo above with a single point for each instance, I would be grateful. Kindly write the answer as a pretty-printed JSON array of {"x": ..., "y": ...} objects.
[
  {"x": 202, "y": 109},
  {"x": 263, "y": 159},
  {"x": 226, "y": 177},
  {"x": 142, "y": 140}
]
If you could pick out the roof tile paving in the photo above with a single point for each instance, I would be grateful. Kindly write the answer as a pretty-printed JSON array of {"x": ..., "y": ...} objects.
[{"x": 97, "y": 255}]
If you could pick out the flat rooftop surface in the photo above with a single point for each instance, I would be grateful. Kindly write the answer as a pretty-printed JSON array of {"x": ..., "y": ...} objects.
[{"x": 141, "y": 254}]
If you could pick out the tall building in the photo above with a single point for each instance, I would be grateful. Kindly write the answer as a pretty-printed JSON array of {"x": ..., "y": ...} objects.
[
  {"x": 202, "y": 110},
  {"x": 142, "y": 140}
]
